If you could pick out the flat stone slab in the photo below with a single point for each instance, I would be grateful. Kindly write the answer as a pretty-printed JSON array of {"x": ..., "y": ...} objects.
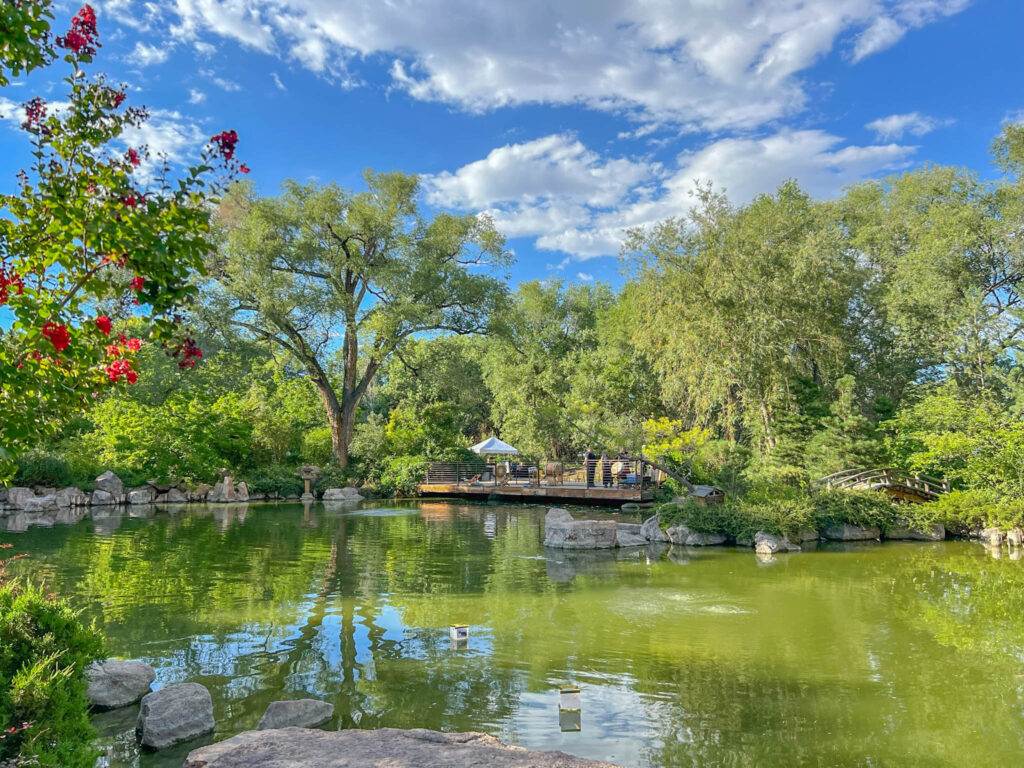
[
  {"x": 630, "y": 535},
  {"x": 174, "y": 714},
  {"x": 116, "y": 684},
  {"x": 384, "y": 748},
  {"x": 847, "y": 532},
  {"x": 299, "y": 713},
  {"x": 562, "y": 532}
]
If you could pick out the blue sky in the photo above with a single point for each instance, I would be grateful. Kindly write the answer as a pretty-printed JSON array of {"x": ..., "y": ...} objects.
[{"x": 567, "y": 121}]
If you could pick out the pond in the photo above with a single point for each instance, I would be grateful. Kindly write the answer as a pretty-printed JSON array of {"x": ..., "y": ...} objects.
[{"x": 881, "y": 654}]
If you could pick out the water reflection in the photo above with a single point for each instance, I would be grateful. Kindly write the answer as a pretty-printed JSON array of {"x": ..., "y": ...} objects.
[{"x": 895, "y": 654}]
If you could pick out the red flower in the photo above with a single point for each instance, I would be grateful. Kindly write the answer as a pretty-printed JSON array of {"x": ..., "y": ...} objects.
[
  {"x": 129, "y": 201},
  {"x": 134, "y": 344},
  {"x": 133, "y": 157},
  {"x": 225, "y": 143},
  {"x": 113, "y": 350},
  {"x": 103, "y": 323},
  {"x": 191, "y": 353},
  {"x": 81, "y": 38},
  {"x": 58, "y": 335},
  {"x": 132, "y": 376},
  {"x": 118, "y": 98},
  {"x": 120, "y": 368},
  {"x": 243, "y": 168},
  {"x": 138, "y": 283},
  {"x": 6, "y": 281},
  {"x": 35, "y": 113}
]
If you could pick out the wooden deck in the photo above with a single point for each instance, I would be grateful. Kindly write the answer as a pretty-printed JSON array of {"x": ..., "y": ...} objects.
[{"x": 567, "y": 493}]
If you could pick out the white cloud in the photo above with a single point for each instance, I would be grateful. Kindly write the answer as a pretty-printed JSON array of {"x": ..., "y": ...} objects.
[
  {"x": 195, "y": 96},
  {"x": 277, "y": 81},
  {"x": 894, "y": 20},
  {"x": 914, "y": 123},
  {"x": 148, "y": 55},
  {"x": 570, "y": 199},
  {"x": 585, "y": 276},
  {"x": 204, "y": 49},
  {"x": 691, "y": 63},
  {"x": 220, "y": 82},
  {"x": 1014, "y": 116}
]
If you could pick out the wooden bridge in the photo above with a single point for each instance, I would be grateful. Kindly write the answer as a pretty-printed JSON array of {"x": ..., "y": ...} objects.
[{"x": 895, "y": 482}]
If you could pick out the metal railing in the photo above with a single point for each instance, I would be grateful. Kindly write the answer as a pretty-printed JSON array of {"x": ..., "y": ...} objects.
[{"x": 885, "y": 478}]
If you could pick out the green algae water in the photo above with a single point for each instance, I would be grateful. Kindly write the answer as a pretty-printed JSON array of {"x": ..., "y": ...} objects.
[{"x": 896, "y": 654}]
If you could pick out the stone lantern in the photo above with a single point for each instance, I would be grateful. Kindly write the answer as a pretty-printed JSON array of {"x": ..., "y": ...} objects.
[{"x": 308, "y": 473}]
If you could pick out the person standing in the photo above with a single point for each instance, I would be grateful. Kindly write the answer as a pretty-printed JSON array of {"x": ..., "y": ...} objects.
[
  {"x": 606, "y": 469},
  {"x": 590, "y": 465}
]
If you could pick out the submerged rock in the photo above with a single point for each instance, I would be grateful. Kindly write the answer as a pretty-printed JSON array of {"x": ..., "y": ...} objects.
[
  {"x": 847, "y": 532},
  {"x": 301, "y": 748},
  {"x": 116, "y": 684},
  {"x": 300, "y": 713},
  {"x": 562, "y": 532},
  {"x": 174, "y": 714}
]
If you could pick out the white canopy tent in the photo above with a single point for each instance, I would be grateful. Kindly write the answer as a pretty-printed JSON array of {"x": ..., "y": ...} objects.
[{"x": 492, "y": 446}]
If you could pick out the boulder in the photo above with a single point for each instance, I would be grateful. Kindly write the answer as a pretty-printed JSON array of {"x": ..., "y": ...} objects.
[
  {"x": 562, "y": 532},
  {"x": 116, "y": 684},
  {"x": 40, "y": 504},
  {"x": 199, "y": 492},
  {"x": 1015, "y": 537},
  {"x": 680, "y": 534},
  {"x": 301, "y": 713},
  {"x": 16, "y": 497},
  {"x": 770, "y": 543},
  {"x": 807, "y": 534},
  {"x": 110, "y": 483},
  {"x": 172, "y": 496},
  {"x": 902, "y": 531},
  {"x": 629, "y": 535},
  {"x": 71, "y": 497},
  {"x": 992, "y": 536},
  {"x": 651, "y": 529},
  {"x": 391, "y": 747},
  {"x": 222, "y": 492},
  {"x": 101, "y": 498},
  {"x": 145, "y": 494},
  {"x": 847, "y": 532},
  {"x": 174, "y": 714},
  {"x": 242, "y": 492},
  {"x": 347, "y": 493}
]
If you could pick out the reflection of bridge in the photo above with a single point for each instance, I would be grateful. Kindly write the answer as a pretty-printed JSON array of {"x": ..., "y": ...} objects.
[
  {"x": 895, "y": 482},
  {"x": 629, "y": 480}
]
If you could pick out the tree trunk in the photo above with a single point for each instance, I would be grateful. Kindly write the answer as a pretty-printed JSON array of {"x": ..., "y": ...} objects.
[{"x": 336, "y": 420}]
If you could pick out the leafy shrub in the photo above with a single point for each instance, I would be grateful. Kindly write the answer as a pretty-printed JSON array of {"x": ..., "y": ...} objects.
[
  {"x": 44, "y": 652},
  {"x": 965, "y": 511},
  {"x": 333, "y": 476},
  {"x": 41, "y": 468},
  {"x": 402, "y": 474},
  {"x": 284, "y": 481},
  {"x": 851, "y": 507},
  {"x": 317, "y": 447}
]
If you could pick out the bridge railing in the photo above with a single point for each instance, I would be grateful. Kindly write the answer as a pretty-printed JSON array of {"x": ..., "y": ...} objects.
[
  {"x": 925, "y": 485},
  {"x": 612, "y": 473}
]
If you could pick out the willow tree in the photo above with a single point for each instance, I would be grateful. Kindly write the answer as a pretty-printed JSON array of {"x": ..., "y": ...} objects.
[{"x": 342, "y": 281}]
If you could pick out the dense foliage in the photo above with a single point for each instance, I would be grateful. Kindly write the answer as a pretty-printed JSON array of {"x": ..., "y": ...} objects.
[
  {"x": 44, "y": 652},
  {"x": 96, "y": 230}
]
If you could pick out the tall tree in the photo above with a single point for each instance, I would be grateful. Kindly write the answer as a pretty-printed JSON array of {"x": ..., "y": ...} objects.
[{"x": 342, "y": 281}]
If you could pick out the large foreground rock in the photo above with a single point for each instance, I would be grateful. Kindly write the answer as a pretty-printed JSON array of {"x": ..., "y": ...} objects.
[
  {"x": 16, "y": 497},
  {"x": 116, "y": 684},
  {"x": 847, "y": 532},
  {"x": 40, "y": 504},
  {"x": 562, "y": 532},
  {"x": 680, "y": 534},
  {"x": 174, "y": 714},
  {"x": 300, "y": 713},
  {"x": 101, "y": 498},
  {"x": 387, "y": 747},
  {"x": 348, "y": 493},
  {"x": 143, "y": 495}
]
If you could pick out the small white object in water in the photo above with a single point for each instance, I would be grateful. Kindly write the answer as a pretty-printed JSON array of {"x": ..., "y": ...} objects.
[
  {"x": 569, "y": 697},
  {"x": 459, "y": 632}
]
